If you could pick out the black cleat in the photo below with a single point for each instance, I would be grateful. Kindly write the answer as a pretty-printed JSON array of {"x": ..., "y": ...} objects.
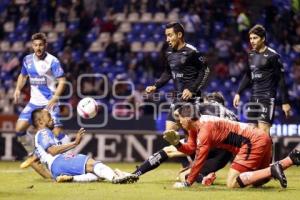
[
  {"x": 277, "y": 173},
  {"x": 295, "y": 156},
  {"x": 125, "y": 179}
]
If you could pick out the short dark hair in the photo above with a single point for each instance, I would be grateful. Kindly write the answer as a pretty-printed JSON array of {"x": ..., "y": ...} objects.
[
  {"x": 39, "y": 36},
  {"x": 189, "y": 110},
  {"x": 258, "y": 30},
  {"x": 35, "y": 115},
  {"x": 215, "y": 96},
  {"x": 176, "y": 26}
]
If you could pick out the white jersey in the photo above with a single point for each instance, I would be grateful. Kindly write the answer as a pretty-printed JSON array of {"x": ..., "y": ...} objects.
[
  {"x": 42, "y": 75},
  {"x": 44, "y": 139}
]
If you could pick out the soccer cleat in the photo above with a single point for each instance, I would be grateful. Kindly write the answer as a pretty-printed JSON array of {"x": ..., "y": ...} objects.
[
  {"x": 295, "y": 156},
  {"x": 64, "y": 178},
  {"x": 28, "y": 162},
  {"x": 209, "y": 179},
  {"x": 124, "y": 179},
  {"x": 277, "y": 173}
]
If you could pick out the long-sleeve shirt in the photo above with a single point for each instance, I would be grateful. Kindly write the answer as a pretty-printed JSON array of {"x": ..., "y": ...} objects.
[
  {"x": 264, "y": 74},
  {"x": 215, "y": 132},
  {"x": 187, "y": 68}
]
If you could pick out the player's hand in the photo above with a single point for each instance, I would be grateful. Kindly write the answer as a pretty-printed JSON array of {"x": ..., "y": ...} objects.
[
  {"x": 52, "y": 102},
  {"x": 172, "y": 137},
  {"x": 79, "y": 136},
  {"x": 150, "y": 89},
  {"x": 236, "y": 100},
  {"x": 179, "y": 185},
  {"x": 286, "y": 109},
  {"x": 17, "y": 95},
  {"x": 186, "y": 94}
]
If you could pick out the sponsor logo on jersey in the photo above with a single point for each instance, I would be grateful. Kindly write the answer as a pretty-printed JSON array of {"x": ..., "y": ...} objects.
[{"x": 39, "y": 80}]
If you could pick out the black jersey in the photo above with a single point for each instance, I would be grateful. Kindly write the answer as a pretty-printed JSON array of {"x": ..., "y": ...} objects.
[
  {"x": 186, "y": 67},
  {"x": 264, "y": 73},
  {"x": 216, "y": 109}
]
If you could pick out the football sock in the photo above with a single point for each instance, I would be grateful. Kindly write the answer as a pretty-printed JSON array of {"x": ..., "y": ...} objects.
[
  {"x": 103, "y": 171},
  {"x": 151, "y": 163},
  {"x": 88, "y": 177},
  {"x": 248, "y": 178}
]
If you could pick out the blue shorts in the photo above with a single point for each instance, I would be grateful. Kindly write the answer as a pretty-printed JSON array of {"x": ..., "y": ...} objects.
[
  {"x": 69, "y": 165},
  {"x": 26, "y": 113}
]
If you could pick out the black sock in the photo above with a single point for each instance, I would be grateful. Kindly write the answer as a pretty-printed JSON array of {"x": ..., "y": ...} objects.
[{"x": 152, "y": 162}]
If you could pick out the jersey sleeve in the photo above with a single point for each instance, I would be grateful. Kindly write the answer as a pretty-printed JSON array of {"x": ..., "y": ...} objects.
[
  {"x": 200, "y": 62},
  {"x": 202, "y": 150},
  {"x": 246, "y": 81},
  {"x": 23, "y": 69},
  {"x": 164, "y": 78},
  {"x": 282, "y": 84},
  {"x": 45, "y": 139},
  {"x": 57, "y": 69},
  {"x": 189, "y": 147}
]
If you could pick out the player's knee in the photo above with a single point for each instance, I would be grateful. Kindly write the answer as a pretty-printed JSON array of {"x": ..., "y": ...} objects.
[
  {"x": 231, "y": 183},
  {"x": 90, "y": 165},
  {"x": 20, "y": 127},
  {"x": 170, "y": 125},
  {"x": 169, "y": 151}
]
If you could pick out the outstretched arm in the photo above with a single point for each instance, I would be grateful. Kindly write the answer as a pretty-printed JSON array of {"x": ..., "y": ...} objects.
[{"x": 57, "y": 149}]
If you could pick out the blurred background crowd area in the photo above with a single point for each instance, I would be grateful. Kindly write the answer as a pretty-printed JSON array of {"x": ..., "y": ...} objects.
[{"x": 124, "y": 40}]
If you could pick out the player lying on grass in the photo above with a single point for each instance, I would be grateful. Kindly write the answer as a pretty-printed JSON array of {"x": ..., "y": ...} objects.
[
  {"x": 60, "y": 163},
  {"x": 252, "y": 147},
  {"x": 213, "y": 105},
  {"x": 44, "y": 71}
]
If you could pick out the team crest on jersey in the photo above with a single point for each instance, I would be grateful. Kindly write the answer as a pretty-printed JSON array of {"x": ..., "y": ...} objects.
[{"x": 201, "y": 58}]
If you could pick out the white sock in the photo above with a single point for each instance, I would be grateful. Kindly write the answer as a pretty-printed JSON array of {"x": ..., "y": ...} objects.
[
  {"x": 103, "y": 171},
  {"x": 88, "y": 177}
]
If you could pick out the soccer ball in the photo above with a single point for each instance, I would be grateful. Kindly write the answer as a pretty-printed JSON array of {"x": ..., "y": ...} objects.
[{"x": 87, "y": 108}]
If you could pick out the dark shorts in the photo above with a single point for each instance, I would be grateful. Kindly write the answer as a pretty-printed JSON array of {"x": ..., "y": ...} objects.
[
  {"x": 178, "y": 103},
  {"x": 260, "y": 110}
]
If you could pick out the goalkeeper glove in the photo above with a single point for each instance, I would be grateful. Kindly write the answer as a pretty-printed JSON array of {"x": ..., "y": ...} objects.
[{"x": 172, "y": 137}]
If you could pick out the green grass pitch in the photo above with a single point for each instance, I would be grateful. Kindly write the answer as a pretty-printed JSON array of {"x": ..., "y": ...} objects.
[{"x": 26, "y": 184}]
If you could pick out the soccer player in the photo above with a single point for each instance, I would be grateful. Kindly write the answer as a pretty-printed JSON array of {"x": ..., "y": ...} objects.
[
  {"x": 185, "y": 66},
  {"x": 264, "y": 74},
  {"x": 213, "y": 105},
  {"x": 44, "y": 71},
  {"x": 252, "y": 147},
  {"x": 61, "y": 163}
]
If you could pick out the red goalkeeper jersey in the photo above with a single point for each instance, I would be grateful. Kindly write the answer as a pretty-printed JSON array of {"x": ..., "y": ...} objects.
[{"x": 215, "y": 132}]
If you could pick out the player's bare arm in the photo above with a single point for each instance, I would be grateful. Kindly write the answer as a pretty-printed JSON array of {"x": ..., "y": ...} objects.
[
  {"x": 20, "y": 84},
  {"x": 58, "y": 149}
]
